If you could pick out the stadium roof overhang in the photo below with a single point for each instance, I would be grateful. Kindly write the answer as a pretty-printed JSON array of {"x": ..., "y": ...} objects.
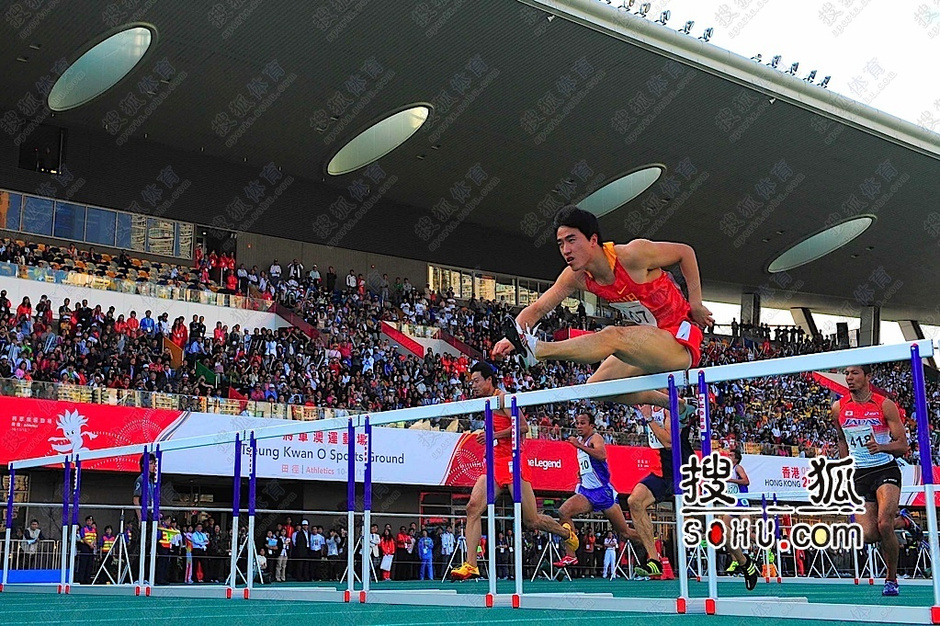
[{"x": 528, "y": 113}]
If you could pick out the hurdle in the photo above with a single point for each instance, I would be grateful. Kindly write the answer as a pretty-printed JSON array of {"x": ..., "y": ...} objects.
[{"x": 796, "y": 608}]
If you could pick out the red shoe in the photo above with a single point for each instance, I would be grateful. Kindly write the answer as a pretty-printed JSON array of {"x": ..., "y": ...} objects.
[{"x": 566, "y": 561}]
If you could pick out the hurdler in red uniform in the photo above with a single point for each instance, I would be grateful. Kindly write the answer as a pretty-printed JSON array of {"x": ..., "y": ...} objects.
[{"x": 664, "y": 331}]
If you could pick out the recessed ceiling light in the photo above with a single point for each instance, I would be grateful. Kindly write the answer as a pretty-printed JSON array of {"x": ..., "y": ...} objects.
[
  {"x": 855, "y": 256},
  {"x": 436, "y": 146},
  {"x": 780, "y": 232},
  {"x": 35, "y": 46},
  {"x": 100, "y": 68},
  {"x": 822, "y": 243},
  {"x": 420, "y": 157},
  {"x": 765, "y": 239},
  {"x": 870, "y": 248},
  {"x": 22, "y": 59},
  {"x": 378, "y": 140},
  {"x": 621, "y": 190}
]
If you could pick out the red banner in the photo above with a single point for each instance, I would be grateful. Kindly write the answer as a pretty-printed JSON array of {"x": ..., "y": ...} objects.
[
  {"x": 33, "y": 428},
  {"x": 553, "y": 465}
]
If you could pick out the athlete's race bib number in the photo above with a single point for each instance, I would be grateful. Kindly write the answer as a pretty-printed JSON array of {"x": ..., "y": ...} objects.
[
  {"x": 654, "y": 441},
  {"x": 858, "y": 438},
  {"x": 635, "y": 313},
  {"x": 584, "y": 463}
]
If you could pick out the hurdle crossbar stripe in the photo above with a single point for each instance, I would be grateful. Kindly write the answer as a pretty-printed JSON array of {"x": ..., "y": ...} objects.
[
  {"x": 599, "y": 390},
  {"x": 821, "y": 361}
]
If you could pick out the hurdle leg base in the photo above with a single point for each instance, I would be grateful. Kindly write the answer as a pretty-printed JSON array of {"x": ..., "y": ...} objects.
[
  {"x": 515, "y": 600},
  {"x": 228, "y": 593},
  {"x": 935, "y": 614},
  {"x": 489, "y": 601},
  {"x": 346, "y": 596},
  {"x": 681, "y": 606},
  {"x": 362, "y": 597},
  {"x": 709, "y": 606},
  {"x": 247, "y": 593}
]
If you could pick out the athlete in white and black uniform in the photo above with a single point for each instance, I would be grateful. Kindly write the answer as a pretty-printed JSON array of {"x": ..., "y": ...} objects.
[{"x": 870, "y": 430}]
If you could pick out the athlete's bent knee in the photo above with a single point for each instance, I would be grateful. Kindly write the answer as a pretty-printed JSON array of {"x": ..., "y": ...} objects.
[
  {"x": 886, "y": 527},
  {"x": 474, "y": 508}
]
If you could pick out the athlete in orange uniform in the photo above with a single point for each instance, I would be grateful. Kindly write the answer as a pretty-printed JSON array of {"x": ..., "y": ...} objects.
[
  {"x": 870, "y": 430},
  {"x": 665, "y": 334},
  {"x": 482, "y": 380}
]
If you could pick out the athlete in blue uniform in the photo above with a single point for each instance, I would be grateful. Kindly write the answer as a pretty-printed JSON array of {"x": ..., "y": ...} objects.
[{"x": 594, "y": 492}]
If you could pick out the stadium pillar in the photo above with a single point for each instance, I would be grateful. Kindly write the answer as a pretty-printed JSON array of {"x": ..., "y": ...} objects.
[
  {"x": 869, "y": 333},
  {"x": 912, "y": 331},
  {"x": 804, "y": 319},
  {"x": 750, "y": 308}
]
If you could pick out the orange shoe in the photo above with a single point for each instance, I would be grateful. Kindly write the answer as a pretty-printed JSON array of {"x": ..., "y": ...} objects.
[{"x": 465, "y": 572}]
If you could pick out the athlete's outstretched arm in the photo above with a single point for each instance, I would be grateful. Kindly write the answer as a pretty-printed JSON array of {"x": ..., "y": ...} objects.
[
  {"x": 660, "y": 254},
  {"x": 564, "y": 286}
]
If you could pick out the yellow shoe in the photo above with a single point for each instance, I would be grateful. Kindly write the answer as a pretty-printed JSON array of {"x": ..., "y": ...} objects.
[
  {"x": 465, "y": 572},
  {"x": 571, "y": 542}
]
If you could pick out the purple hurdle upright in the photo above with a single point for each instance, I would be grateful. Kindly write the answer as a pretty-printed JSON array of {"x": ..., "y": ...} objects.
[
  {"x": 676, "y": 436},
  {"x": 252, "y": 493},
  {"x": 155, "y": 515},
  {"x": 236, "y": 511},
  {"x": 517, "y": 499},
  {"x": 926, "y": 465},
  {"x": 366, "y": 513},
  {"x": 490, "y": 507},
  {"x": 6, "y": 534},
  {"x": 144, "y": 510},
  {"x": 72, "y": 546},
  {"x": 66, "y": 490},
  {"x": 705, "y": 430},
  {"x": 351, "y": 511}
]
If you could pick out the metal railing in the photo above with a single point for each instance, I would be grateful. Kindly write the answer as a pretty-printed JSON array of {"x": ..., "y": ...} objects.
[
  {"x": 140, "y": 288},
  {"x": 36, "y": 555}
]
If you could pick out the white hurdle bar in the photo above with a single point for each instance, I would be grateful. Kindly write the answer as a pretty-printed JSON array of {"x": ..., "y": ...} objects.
[{"x": 672, "y": 380}]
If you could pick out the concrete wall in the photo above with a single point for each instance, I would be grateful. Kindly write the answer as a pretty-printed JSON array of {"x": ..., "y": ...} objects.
[
  {"x": 123, "y": 303},
  {"x": 261, "y": 250}
]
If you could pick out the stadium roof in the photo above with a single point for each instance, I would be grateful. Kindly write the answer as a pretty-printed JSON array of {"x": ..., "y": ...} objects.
[{"x": 527, "y": 113}]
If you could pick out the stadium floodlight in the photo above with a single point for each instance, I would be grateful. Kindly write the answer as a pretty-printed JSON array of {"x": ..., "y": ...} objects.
[
  {"x": 824, "y": 82},
  {"x": 793, "y": 68},
  {"x": 687, "y": 28},
  {"x": 626, "y": 5},
  {"x": 775, "y": 61},
  {"x": 707, "y": 35},
  {"x": 664, "y": 17},
  {"x": 811, "y": 76},
  {"x": 644, "y": 9},
  {"x": 757, "y": 57}
]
